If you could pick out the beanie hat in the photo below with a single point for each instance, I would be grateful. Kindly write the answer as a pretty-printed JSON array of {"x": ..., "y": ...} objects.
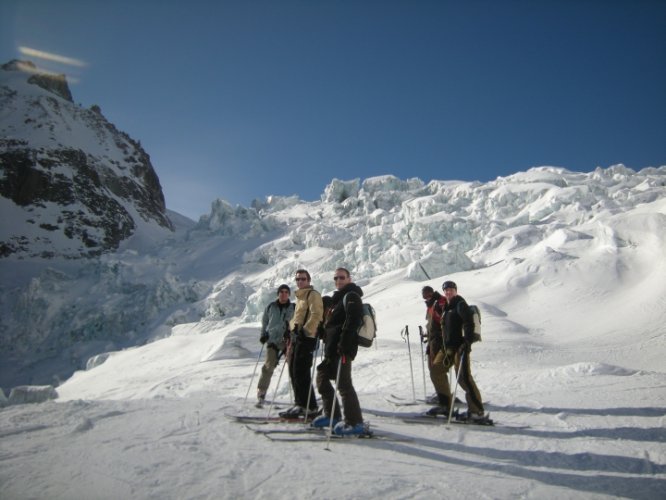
[
  {"x": 283, "y": 287},
  {"x": 449, "y": 284}
]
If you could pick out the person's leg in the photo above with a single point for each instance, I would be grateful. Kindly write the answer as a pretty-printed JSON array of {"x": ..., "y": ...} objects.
[
  {"x": 267, "y": 371},
  {"x": 439, "y": 375},
  {"x": 350, "y": 403},
  {"x": 472, "y": 394},
  {"x": 326, "y": 391}
]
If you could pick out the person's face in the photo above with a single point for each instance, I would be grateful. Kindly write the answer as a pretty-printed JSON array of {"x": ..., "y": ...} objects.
[
  {"x": 427, "y": 295},
  {"x": 283, "y": 296},
  {"x": 341, "y": 279},
  {"x": 302, "y": 280},
  {"x": 449, "y": 293}
]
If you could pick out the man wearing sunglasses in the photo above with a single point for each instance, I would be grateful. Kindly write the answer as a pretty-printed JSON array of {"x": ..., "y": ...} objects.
[
  {"x": 308, "y": 315},
  {"x": 341, "y": 327}
]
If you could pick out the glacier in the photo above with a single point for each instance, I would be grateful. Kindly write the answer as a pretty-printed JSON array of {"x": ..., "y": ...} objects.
[{"x": 223, "y": 269}]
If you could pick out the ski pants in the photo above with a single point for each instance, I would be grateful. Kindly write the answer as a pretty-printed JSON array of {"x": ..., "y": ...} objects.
[
  {"x": 436, "y": 371},
  {"x": 444, "y": 360},
  {"x": 327, "y": 371},
  {"x": 300, "y": 365},
  {"x": 267, "y": 369}
]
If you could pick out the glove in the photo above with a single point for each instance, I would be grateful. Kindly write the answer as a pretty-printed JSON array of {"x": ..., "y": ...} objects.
[
  {"x": 321, "y": 333},
  {"x": 263, "y": 338},
  {"x": 465, "y": 347}
]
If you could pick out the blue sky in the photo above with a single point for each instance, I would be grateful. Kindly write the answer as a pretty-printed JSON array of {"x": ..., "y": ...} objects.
[{"x": 242, "y": 99}]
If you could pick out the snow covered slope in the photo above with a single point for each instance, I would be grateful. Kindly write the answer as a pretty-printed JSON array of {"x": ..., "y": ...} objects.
[{"x": 570, "y": 367}]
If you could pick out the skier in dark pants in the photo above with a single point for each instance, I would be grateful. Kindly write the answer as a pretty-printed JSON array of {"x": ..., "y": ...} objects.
[
  {"x": 458, "y": 330},
  {"x": 341, "y": 327},
  {"x": 308, "y": 314}
]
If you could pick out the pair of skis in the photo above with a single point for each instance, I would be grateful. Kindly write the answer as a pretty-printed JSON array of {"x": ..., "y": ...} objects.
[
  {"x": 423, "y": 418},
  {"x": 428, "y": 417},
  {"x": 432, "y": 400},
  {"x": 303, "y": 432},
  {"x": 251, "y": 419},
  {"x": 316, "y": 434}
]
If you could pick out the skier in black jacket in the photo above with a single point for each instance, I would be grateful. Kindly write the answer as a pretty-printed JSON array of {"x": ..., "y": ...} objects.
[
  {"x": 458, "y": 330},
  {"x": 341, "y": 345}
]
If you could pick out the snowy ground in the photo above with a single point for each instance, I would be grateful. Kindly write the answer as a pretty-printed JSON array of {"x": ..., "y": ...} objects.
[{"x": 580, "y": 411}]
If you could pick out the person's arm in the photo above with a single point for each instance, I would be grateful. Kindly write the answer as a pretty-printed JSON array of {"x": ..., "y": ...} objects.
[
  {"x": 264, "y": 325},
  {"x": 316, "y": 309}
]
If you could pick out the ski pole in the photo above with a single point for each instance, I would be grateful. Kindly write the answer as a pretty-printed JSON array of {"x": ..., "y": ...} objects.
[
  {"x": 455, "y": 388},
  {"x": 409, "y": 351},
  {"x": 311, "y": 390},
  {"x": 277, "y": 386},
  {"x": 425, "y": 394},
  {"x": 253, "y": 374},
  {"x": 288, "y": 358},
  {"x": 335, "y": 397}
]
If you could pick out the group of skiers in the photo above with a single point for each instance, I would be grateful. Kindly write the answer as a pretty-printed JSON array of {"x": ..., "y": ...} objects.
[{"x": 293, "y": 329}]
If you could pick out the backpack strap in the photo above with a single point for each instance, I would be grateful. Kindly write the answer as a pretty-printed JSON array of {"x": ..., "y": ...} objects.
[{"x": 307, "y": 311}]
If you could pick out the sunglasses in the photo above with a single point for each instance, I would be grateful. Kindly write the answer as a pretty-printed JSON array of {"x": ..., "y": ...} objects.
[
  {"x": 336, "y": 278},
  {"x": 301, "y": 279}
]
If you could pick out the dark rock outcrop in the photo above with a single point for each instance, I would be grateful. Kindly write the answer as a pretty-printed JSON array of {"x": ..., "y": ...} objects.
[{"x": 69, "y": 172}]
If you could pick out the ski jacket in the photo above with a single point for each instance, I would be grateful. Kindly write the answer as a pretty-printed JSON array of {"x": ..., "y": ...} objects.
[
  {"x": 435, "y": 310},
  {"x": 275, "y": 321},
  {"x": 342, "y": 325},
  {"x": 457, "y": 323},
  {"x": 309, "y": 312}
]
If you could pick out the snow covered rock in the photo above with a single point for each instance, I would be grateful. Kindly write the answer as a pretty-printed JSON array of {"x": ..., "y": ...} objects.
[
  {"x": 32, "y": 394},
  {"x": 72, "y": 185}
]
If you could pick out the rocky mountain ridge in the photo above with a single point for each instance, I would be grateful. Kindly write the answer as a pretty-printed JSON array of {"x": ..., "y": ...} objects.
[{"x": 72, "y": 184}]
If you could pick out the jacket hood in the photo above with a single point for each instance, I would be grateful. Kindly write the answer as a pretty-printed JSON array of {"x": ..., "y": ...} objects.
[{"x": 350, "y": 287}]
